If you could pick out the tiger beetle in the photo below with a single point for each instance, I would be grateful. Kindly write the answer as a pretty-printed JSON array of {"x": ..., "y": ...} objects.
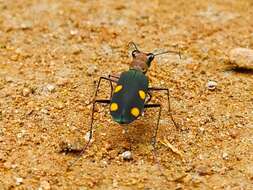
[{"x": 128, "y": 99}]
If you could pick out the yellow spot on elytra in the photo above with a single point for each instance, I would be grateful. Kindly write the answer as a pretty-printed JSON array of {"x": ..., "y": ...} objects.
[
  {"x": 142, "y": 94},
  {"x": 114, "y": 107},
  {"x": 117, "y": 88},
  {"x": 135, "y": 112}
]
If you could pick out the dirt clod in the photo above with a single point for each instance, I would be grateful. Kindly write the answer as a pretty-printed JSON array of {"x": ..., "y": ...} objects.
[{"x": 242, "y": 57}]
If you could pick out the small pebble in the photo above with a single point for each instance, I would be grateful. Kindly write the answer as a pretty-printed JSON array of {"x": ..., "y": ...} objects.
[
  {"x": 202, "y": 129},
  {"x": 60, "y": 105},
  {"x": 70, "y": 146},
  {"x": 233, "y": 133},
  {"x": 91, "y": 69},
  {"x": 62, "y": 82},
  {"x": 115, "y": 183},
  {"x": 127, "y": 155},
  {"x": 87, "y": 136},
  {"x": 203, "y": 170},
  {"x": 44, "y": 110},
  {"x": 225, "y": 156},
  {"x": 19, "y": 180},
  {"x": 242, "y": 57},
  {"x": 211, "y": 85},
  {"x": 50, "y": 87},
  {"x": 73, "y": 32},
  {"x": 107, "y": 49},
  {"x": 75, "y": 49},
  {"x": 26, "y": 25},
  {"x": 21, "y": 134},
  {"x": 26, "y": 92},
  {"x": 196, "y": 180},
  {"x": 9, "y": 79},
  {"x": 44, "y": 185}
]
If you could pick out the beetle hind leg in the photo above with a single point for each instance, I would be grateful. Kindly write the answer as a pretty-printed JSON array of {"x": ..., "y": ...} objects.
[
  {"x": 154, "y": 137},
  {"x": 90, "y": 131},
  {"x": 153, "y": 140}
]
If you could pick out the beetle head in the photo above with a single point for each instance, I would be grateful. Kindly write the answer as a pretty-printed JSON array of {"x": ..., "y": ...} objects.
[{"x": 142, "y": 61}]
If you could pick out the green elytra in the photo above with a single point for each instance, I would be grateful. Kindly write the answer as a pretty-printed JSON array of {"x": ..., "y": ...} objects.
[{"x": 127, "y": 104}]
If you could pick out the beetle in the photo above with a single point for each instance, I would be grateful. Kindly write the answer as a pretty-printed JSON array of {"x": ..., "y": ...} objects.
[{"x": 128, "y": 99}]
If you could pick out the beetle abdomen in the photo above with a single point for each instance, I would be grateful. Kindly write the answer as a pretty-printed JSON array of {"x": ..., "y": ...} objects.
[{"x": 129, "y": 95}]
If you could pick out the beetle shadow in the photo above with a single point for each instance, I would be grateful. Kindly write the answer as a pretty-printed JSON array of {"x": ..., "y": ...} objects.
[
  {"x": 241, "y": 70},
  {"x": 140, "y": 132}
]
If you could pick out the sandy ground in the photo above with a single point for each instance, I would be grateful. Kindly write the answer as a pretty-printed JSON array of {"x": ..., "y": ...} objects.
[{"x": 53, "y": 52}]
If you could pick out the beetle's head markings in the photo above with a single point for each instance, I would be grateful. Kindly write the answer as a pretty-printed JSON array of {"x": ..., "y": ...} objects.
[{"x": 142, "y": 61}]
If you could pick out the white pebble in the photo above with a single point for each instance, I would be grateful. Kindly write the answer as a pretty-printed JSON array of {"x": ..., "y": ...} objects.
[
  {"x": 107, "y": 49},
  {"x": 26, "y": 92},
  {"x": 127, "y": 155},
  {"x": 50, "y": 87},
  {"x": 73, "y": 32},
  {"x": 44, "y": 185},
  {"x": 19, "y": 180},
  {"x": 91, "y": 69},
  {"x": 211, "y": 85},
  {"x": 225, "y": 156},
  {"x": 26, "y": 25},
  {"x": 87, "y": 136},
  {"x": 21, "y": 134},
  {"x": 242, "y": 57},
  {"x": 44, "y": 110}
]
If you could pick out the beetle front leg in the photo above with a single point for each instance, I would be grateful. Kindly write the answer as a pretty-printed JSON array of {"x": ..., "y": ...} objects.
[{"x": 107, "y": 79}]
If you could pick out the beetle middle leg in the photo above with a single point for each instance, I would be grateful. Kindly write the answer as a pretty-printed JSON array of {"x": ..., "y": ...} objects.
[
  {"x": 168, "y": 96},
  {"x": 100, "y": 101}
]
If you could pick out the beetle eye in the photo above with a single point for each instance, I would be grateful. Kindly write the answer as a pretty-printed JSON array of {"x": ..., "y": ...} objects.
[
  {"x": 151, "y": 56},
  {"x": 134, "y": 53}
]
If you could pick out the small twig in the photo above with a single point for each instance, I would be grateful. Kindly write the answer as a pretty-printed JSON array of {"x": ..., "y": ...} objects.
[{"x": 166, "y": 143}]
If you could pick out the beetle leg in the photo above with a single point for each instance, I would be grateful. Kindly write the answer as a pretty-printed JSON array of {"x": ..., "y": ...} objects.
[
  {"x": 169, "y": 107},
  {"x": 108, "y": 79},
  {"x": 154, "y": 137},
  {"x": 153, "y": 141},
  {"x": 92, "y": 113},
  {"x": 113, "y": 76},
  {"x": 90, "y": 130}
]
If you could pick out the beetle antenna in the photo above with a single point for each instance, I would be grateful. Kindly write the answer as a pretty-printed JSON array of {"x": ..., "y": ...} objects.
[
  {"x": 169, "y": 51},
  {"x": 134, "y": 45}
]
